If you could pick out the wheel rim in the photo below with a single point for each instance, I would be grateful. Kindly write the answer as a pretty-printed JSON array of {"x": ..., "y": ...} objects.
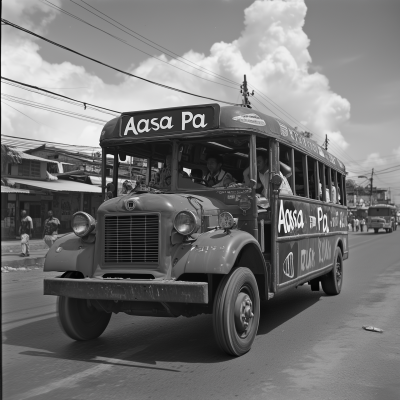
[
  {"x": 244, "y": 313},
  {"x": 339, "y": 272}
]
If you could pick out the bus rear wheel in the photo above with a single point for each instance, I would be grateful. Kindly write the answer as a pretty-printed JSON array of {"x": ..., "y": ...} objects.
[
  {"x": 236, "y": 312},
  {"x": 80, "y": 320},
  {"x": 332, "y": 282}
]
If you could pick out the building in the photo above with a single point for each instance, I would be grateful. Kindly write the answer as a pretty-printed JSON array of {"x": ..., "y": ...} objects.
[
  {"x": 28, "y": 185},
  {"x": 360, "y": 197}
]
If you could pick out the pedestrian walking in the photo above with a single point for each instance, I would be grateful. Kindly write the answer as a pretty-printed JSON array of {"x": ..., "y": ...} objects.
[
  {"x": 25, "y": 231},
  {"x": 357, "y": 224},
  {"x": 50, "y": 230},
  {"x": 352, "y": 224},
  {"x": 362, "y": 224}
]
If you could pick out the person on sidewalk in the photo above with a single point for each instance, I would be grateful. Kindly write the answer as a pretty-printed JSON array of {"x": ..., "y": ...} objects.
[
  {"x": 25, "y": 231},
  {"x": 362, "y": 224},
  {"x": 50, "y": 230},
  {"x": 357, "y": 224}
]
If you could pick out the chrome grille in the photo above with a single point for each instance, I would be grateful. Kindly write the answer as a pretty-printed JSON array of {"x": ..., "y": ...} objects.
[{"x": 131, "y": 238}]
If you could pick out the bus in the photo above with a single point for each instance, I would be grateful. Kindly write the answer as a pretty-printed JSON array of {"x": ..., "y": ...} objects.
[
  {"x": 382, "y": 216},
  {"x": 244, "y": 208}
]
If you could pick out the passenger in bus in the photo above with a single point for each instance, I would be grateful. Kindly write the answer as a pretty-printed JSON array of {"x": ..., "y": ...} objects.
[
  {"x": 216, "y": 176},
  {"x": 334, "y": 194},
  {"x": 263, "y": 176},
  {"x": 165, "y": 172}
]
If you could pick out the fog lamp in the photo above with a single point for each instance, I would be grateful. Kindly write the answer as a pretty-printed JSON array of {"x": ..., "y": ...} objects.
[{"x": 226, "y": 220}]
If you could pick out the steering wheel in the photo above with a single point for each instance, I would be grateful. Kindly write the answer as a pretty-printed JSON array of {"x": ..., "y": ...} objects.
[{"x": 200, "y": 181}]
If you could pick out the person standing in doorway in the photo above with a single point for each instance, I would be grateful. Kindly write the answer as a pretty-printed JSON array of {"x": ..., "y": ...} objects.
[
  {"x": 50, "y": 230},
  {"x": 25, "y": 231}
]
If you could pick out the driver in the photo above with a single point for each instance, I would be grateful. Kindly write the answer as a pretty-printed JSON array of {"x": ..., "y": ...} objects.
[{"x": 217, "y": 177}]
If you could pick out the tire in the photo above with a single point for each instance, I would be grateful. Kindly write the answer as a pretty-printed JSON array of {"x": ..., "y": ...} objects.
[
  {"x": 79, "y": 320},
  {"x": 237, "y": 303},
  {"x": 376, "y": 230},
  {"x": 332, "y": 281}
]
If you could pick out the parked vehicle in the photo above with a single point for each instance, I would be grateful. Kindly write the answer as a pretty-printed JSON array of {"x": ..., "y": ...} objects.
[{"x": 213, "y": 235}]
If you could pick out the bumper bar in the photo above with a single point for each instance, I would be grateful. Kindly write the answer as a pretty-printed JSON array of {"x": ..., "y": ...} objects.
[{"x": 99, "y": 289}]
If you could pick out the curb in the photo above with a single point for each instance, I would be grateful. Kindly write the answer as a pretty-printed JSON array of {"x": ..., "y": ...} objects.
[{"x": 24, "y": 262}]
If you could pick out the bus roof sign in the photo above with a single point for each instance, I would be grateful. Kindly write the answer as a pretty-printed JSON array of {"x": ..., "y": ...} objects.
[
  {"x": 159, "y": 123},
  {"x": 169, "y": 121}
]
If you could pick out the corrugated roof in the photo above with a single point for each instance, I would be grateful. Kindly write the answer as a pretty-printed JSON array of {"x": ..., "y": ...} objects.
[
  {"x": 58, "y": 186},
  {"x": 26, "y": 156},
  {"x": 7, "y": 189}
]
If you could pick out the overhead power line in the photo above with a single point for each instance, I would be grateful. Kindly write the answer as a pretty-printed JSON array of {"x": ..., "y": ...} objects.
[
  {"x": 45, "y": 107},
  {"x": 50, "y": 4},
  {"x": 22, "y": 85},
  {"x": 110, "y": 66}
]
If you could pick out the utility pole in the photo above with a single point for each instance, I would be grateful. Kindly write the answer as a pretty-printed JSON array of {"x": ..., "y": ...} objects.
[
  {"x": 326, "y": 142},
  {"x": 372, "y": 185},
  {"x": 245, "y": 93}
]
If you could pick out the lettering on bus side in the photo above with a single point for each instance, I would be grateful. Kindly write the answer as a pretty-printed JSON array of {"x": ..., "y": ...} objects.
[{"x": 292, "y": 218}]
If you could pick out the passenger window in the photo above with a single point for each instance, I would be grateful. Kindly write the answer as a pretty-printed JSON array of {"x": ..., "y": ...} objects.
[
  {"x": 299, "y": 166},
  {"x": 312, "y": 179},
  {"x": 341, "y": 191}
]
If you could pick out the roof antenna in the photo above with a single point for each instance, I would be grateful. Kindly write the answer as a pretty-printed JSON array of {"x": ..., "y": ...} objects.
[{"x": 245, "y": 93}]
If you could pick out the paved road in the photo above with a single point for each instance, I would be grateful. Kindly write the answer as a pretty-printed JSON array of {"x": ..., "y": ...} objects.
[{"x": 309, "y": 346}]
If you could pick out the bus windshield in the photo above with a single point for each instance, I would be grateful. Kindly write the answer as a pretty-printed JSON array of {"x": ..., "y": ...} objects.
[{"x": 212, "y": 163}]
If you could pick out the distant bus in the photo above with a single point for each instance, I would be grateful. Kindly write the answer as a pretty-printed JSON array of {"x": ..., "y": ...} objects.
[{"x": 382, "y": 216}]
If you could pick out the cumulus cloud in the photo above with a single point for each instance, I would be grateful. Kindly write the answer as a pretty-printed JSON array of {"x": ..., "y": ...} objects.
[
  {"x": 272, "y": 50},
  {"x": 397, "y": 153}
]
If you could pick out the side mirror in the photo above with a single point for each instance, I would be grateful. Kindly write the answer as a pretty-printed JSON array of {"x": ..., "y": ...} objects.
[{"x": 276, "y": 181}]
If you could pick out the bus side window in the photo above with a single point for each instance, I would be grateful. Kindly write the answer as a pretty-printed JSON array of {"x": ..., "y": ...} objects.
[
  {"x": 312, "y": 180},
  {"x": 299, "y": 167}
]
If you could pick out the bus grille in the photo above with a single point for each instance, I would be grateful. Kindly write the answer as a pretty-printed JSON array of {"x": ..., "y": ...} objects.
[{"x": 131, "y": 239}]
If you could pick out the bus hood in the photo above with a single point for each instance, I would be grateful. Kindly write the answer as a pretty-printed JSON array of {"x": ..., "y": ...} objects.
[{"x": 163, "y": 203}]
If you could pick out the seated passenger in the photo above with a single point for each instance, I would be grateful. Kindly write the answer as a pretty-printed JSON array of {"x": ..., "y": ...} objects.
[
  {"x": 217, "y": 177},
  {"x": 165, "y": 172},
  {"x": 263, "y": 177}
]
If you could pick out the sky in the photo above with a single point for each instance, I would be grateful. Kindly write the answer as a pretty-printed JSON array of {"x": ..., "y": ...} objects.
[{"x": 332, "y": 66}]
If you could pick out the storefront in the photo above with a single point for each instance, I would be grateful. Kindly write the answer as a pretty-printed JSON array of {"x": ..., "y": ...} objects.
[{"x": 63, "y": 197}]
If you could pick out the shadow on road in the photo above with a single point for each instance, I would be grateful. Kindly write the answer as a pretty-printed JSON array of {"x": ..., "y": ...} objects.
[{"x": 166, "y": 339}]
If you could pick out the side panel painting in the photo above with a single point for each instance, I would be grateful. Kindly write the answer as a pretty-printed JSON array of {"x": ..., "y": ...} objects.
[{"x": 300, "y": 254}]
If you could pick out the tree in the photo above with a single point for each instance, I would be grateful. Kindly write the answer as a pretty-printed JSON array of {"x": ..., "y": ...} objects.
[{"x": 9, "y": 156}]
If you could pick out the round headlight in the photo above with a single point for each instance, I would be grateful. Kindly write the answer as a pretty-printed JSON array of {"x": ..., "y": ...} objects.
[
  {"x": 186, "y": 222},
  {"x": 82, "y": 223},
  {"x": 226, "y": 220}
]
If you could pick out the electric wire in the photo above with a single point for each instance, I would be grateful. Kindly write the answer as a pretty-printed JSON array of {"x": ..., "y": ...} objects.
[
  {"x": 47, "y": 2},
  {"x": 57, "y": 96},
  {"x": 110, "y": 66}
]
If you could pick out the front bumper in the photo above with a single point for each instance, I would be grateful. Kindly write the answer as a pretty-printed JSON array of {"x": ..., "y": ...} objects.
[{"x": 127, "y": 290}]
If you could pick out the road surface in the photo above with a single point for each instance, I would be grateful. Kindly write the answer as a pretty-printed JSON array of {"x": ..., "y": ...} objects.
[{"x": 309, "y": 346}]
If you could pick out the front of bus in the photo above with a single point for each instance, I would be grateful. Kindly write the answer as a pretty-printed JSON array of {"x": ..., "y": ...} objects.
[{"x": 178, "y": 229}]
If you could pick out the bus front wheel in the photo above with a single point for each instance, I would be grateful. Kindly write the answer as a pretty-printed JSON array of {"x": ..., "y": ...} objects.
[
  {"x": 236, "y": 312},
  {"x": 376, "y": 230},
  {"x": 80, "y": 320},
  {"x": 332, "y": 282}
]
